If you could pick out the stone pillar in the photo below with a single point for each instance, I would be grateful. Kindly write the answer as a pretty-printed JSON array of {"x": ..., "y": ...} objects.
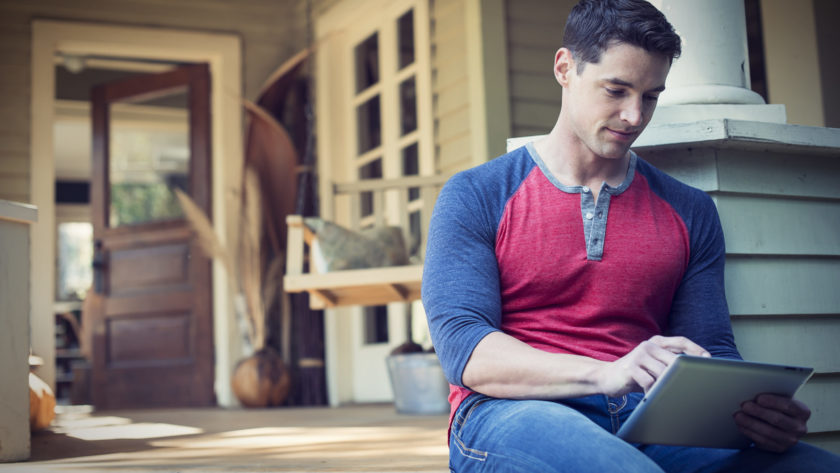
[{"x": 711, "y": 79}]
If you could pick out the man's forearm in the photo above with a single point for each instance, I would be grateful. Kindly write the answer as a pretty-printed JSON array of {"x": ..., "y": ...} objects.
[{"x": 502, "y": 366}]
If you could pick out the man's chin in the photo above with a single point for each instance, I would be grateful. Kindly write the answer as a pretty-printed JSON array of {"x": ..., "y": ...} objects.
[{"x": 614, "y": 152}]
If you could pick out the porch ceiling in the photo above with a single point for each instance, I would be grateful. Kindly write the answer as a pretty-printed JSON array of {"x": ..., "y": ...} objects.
[{"x": 356, "y": 438}]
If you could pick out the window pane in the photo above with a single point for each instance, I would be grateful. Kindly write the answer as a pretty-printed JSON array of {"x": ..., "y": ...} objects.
[
  {"x": 415, "y": 233},
  {"x": 376, "y": 324},
  {"x": 405, "y": 30},
  {"x": 411, "y": 167},
  {"x": 149, "y": 157},
  {"x": 367, "y": 63},
  {"x": 408, "y": 105},
  {"x": 369, "y": 125},
  {"x": 371, "y": 170}
]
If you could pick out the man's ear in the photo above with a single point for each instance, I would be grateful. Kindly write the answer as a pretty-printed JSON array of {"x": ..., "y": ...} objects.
[{"x": 564, "y": 64}]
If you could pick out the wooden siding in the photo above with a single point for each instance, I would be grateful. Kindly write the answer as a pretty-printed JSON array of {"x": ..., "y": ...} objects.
[
  {"x": 782, "y": 285},
  {"x": 271, "y": 32},
  {"x": 450, "y": 86},
  {"x": 780, "y": 211},
  {"x": 14, "y": 105},
  {"x": 793, "y": 338},
  {"x": 535, "y": 32},
  {"x": 780, "y": 226}
]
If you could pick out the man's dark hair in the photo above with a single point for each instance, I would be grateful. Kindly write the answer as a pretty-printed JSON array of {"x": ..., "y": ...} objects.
[{"x": 594, "y": 25}]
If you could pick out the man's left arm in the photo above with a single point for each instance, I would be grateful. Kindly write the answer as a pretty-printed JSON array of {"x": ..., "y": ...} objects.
[{"x": 699, "y": 310}]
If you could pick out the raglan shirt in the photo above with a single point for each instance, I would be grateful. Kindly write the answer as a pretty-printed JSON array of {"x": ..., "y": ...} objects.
[{"x": 512, "y": 249}]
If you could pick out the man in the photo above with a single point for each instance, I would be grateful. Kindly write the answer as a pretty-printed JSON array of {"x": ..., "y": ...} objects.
[{"x": 562, "y": 279}]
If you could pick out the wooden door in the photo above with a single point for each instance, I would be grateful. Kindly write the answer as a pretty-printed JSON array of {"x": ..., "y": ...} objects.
[{"x": 153, "y": 329}]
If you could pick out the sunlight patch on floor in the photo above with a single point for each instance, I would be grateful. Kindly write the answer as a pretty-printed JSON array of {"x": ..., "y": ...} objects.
[{"x": 133, "y": 431}]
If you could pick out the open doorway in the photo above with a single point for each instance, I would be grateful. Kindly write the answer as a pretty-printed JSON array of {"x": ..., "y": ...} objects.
[
  {"x": 151, "y": 149},
  {"x": 121, "y": 50}
]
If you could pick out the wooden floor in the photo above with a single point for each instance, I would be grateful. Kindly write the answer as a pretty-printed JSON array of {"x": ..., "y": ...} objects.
[{"x": 370, "y": 438}]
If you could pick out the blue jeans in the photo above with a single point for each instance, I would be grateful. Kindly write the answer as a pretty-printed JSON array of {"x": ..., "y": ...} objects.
[{"x": 577, "y": 435}]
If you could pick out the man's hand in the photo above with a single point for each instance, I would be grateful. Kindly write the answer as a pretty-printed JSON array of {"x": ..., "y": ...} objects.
[
  {"x": 773, "y": 422},
  {"x": 639, "y": 369}
]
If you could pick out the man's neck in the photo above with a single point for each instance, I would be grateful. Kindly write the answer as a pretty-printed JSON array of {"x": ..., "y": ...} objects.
[{"x": 574, "y": 164}]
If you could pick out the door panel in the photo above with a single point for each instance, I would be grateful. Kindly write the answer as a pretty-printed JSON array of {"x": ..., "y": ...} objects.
[
  {"x": 159, "y": 337},
  {"x": 153, "y": 341},
  {"x": 136, "y": 269}
]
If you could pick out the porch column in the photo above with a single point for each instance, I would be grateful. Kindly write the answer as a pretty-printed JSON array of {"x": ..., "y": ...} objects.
[
  {"x": 711, "y": 79},
  {"x": 15, "y": 219}
]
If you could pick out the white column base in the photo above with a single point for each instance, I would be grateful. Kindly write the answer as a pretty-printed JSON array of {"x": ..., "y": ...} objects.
[
  {"x": 666, "y": 114},
  {"x": 709, "y": 94}
]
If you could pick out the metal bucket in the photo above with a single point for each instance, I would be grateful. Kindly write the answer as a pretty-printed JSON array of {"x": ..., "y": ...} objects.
[{"x": 418, "y": 383}]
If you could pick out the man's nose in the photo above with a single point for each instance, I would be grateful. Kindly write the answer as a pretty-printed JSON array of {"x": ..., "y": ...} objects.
[{"x": 631, "y": 111}]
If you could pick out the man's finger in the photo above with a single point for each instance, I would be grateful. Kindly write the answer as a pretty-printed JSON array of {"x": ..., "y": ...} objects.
[
  {"x": 655, "y": 359},
  {"x": 680, "y": 345},
  {"x": 764, "y": 434},
  {"x": 763, "y": 441},
  {"x": 785, "y": 405},
  {"x": 643, "y": 378}
]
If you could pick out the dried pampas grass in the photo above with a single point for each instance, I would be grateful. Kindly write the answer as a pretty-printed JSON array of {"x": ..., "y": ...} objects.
[
  {"x": 250, "y": 260},
  {"x": 246, "y": 278},
  {"x": 205, "y": 237}
]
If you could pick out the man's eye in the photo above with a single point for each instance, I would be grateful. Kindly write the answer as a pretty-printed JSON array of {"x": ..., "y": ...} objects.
[
  {"x": 614, "y": 92},
  {"x": 651, "y": 98}
]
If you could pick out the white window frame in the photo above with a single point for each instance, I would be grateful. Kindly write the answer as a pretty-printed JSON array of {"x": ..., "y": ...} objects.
[{"x": 357, "y": 373}]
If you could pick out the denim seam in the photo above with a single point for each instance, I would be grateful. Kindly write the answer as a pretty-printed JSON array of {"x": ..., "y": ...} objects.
[
  {"x": 460, "y": 419},
  {"x": 469, "y": 452},
  {"x": 615, "y": 420}
]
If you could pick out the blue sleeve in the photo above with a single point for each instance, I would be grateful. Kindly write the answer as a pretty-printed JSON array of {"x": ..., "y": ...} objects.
[
  {"x": 699, "y": 310},
  {"x": 460, "y": 287}
]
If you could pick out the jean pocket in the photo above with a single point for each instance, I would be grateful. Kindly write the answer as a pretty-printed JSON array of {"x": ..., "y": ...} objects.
[
  {"x": 457, "y": 444},
  {"x": 457, "y": 441},
  {"x": 466, "y": 409}
]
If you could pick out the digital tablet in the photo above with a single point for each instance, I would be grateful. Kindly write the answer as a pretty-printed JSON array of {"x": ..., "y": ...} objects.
[{"x": 692, "y": 403}]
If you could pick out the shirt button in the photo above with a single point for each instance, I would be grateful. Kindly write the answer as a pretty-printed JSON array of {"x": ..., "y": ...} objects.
[
  {"x": 585, "y": 189},
  {"x": 600, "y": 214},
  {"x": 589, "y": 215}
]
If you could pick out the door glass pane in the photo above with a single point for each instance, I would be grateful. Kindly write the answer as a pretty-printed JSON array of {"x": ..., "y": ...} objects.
[
  {"x": 411, "y": 167},
  {"x": 369, "y": 125},
  {"x": 371, "y": 170},
  {"x": 75, "y": 256},
  {"x": 376, "y": 324},
  {"x": 367, "y": 62},
  {"x": 408, "y": 106},
  {"x": 405, "y": 32},
  {"x": 149, "y": 158}
]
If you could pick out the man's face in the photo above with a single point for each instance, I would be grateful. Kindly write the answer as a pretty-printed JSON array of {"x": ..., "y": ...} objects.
[{"x": 610, "y": 102}]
